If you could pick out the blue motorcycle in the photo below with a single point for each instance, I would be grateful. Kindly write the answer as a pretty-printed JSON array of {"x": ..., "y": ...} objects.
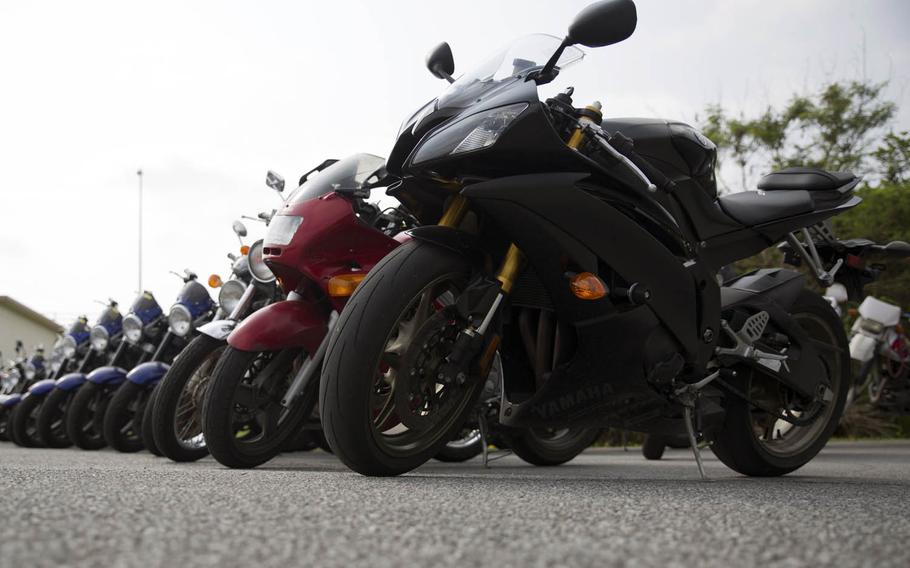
[
  {"x": 122, "y": 426},
  {"x": 16, "y": 378}
]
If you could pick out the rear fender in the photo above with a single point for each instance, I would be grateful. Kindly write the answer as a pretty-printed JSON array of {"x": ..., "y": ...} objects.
[
  {"x": 107, "y": 376},
  {"x": 41, "y": 387},
  {"x": 287, "y": 324},
  {"x": 71, "y": 381},
  {"x": 147, "y": 373},
  {"x": 218, "y": 329}
]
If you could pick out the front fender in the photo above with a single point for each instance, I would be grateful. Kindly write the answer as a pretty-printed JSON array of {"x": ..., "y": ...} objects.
[
  {"x": 218, "y": 329},
  {"x": 147, "y": 373},
  {"x": 107, "y": 376},
  {"x": 41, "y": 387},
  {"x": 282, "y": 325},
  {"x": 10, "y": 400},
  {"x": 71, "y": 381}
]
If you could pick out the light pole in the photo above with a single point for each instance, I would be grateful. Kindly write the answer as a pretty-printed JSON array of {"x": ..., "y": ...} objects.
[{"x": 139, "y": 174}]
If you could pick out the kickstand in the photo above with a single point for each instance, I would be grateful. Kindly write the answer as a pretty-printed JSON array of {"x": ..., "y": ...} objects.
[
  {"x": 690, "y": 428},
  {"x": 483, "y": 440}
]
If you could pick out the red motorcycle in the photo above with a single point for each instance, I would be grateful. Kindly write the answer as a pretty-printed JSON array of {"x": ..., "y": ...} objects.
[{"x": 319, "y": 245}]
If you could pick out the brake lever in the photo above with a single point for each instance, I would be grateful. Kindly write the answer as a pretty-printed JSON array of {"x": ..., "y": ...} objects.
[{"x": 605, "y": 144}]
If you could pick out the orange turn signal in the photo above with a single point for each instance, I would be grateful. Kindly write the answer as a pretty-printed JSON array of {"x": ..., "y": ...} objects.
[
  {"x": 244, "y": 250},
  {"x": 214, "y": 281},
  {"x": 587, "y": 286},
  {"x": 343, "y": 285}
]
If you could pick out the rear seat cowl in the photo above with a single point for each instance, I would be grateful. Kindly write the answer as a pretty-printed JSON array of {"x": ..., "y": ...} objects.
[{"x": 810, "y": 179}]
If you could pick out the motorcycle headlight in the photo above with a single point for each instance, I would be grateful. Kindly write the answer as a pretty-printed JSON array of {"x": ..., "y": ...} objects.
[
  {"x": 282, "y": 229},
  {"x": 180, "y": 320},
  {"x": 132, "y": 328},
  {"x": 99, "y": 338},
  {"x": 258, "y": 269},
  {"x": 68, "y": 346},
  {"x": 475, "y": 132},
  {"x": 231, "y": 292}
]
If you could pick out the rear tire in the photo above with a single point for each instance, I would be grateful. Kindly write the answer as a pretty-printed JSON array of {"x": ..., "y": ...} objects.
[
  {"x": 739, "y": 446},
  {"x": 541, "y": 449},
  {"x": 85, "y": 416},
  {"x": 23, "y": 422},
  {"x": 200, "y": 356},
  {"x": 653, "y": 447},
  {"x": 51, "y": 425},
  {"x": 360, "y": 339},
  {"x": 122, "y": 420}
]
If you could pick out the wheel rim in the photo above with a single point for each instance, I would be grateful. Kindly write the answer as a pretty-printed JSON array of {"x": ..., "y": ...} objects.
[
  {"x": 410, "y": 410},
  {"x": 188, "y": 414},
  {"x": 257, "y": 416},
  {"x": 779, "y": 437}
]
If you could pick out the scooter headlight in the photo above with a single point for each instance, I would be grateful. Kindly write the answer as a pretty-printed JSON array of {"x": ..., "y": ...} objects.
[
  {"x": 180, "y": 320},
  {"x": 231, "y": 292},
  {"x": 132, "y": 328},
  {"x": 68, "y": 346},
  {"x": 99, "y": 338},
  {"x": 475, "y": 132}
]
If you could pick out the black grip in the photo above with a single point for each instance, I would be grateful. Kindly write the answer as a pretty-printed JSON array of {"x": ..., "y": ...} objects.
[{"x": 626, "y": 146}]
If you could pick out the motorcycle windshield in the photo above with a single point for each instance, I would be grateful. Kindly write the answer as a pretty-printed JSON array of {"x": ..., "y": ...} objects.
[
  {"x": 517, "y": 60},
  {"x": 146, "y": 307},
  {"x": 111, "y": 320},
  {"x": 352, "y": 173},
  {"x": 195, "y": 298},
  {"x": 79, "y": 331}
]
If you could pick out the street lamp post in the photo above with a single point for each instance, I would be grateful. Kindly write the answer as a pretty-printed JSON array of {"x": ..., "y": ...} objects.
[{"x": 139, "y": 174}]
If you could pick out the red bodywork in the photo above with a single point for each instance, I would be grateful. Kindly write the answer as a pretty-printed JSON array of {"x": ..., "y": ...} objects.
[{"x": 330, "y": 241}]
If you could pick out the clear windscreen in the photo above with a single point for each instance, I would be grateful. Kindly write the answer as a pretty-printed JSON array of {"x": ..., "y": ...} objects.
[{"x": 352, "y": 173}]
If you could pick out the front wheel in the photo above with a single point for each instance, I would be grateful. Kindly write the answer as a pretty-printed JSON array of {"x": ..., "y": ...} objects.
[
  {"x": 551, "y": 446},
  {"x": 123, "y": 419},
  {"x": 756, "y": 443},
  {"x": 51, "y": 428},
  {"x": 244, "y": 422},
  {"x": 4, "y": 424},
  {"x": 23, "y": 427},
  {"x": 85, "y": 416},
  {"x": 385, "y": 408}
]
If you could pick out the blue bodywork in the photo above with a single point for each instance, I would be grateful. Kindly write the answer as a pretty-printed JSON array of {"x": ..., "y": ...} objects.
[
  {"x": 9, "y": 400},
  {"x": 107, "y": 376},
  {"x": 195, "y": 298},
  {"x": 146, "y": 308},
  {"x": 42, "y": 387},
  {"x": 71, "y": 381},
  {"x": 148, "y": 373}
]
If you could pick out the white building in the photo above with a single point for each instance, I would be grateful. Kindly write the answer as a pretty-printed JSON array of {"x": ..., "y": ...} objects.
[{"x": 19, "y": 322}]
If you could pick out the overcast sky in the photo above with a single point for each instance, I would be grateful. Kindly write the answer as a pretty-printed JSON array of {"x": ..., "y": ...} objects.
[{"x": 207, "y": 96}]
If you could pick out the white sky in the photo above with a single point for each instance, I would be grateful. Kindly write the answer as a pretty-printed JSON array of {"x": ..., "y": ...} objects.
[{"x": 207, "y": 96}]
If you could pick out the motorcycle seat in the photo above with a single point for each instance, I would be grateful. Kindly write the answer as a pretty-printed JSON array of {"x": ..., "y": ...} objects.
[
  {"x": 809, "y": 179},
  {"x": 758, "y": 207}
]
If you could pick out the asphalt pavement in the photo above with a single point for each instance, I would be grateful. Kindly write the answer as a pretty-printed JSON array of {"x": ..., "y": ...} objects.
[{"x": 849, "y": 507}]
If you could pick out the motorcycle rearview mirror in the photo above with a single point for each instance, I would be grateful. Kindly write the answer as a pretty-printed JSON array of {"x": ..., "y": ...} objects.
[
  {"x": 274, "y": 181},
  {"x": 603, "y": 23},
  {"x": 441, "y": 63},
  {"x": 239, "y": 228}
]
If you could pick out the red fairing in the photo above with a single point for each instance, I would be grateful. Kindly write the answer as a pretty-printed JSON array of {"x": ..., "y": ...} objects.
[
  {"x": 278, "y": 326},
  {"x": 330, "y": 241}
]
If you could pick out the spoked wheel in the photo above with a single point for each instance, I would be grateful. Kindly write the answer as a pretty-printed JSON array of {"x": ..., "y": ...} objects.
[
  {"x": 386, "y": 406},
  {"x": 85, "y": 416},
  {"x": 244, "y": 422},
  {"x": 754, "y": 442},
  {"x": 177, "y": 414},
  {"x": 23, "y": 423},
  {"x": 123, "y": 419},
  {"x": 467, "y": 444},
  {"x": 551, "y": 446},
  {"x": 51, "y": 427}
]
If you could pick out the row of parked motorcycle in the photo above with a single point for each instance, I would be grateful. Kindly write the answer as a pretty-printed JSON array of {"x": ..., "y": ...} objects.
[{"x": 545, "y": 274}]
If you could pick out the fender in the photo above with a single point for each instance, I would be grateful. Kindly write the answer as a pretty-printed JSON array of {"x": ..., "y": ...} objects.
[
  {"x": 218, "y": 329},
  {"x": 10, "y": 400},
  {"x": 291, "y": 323},
  {"x": 41, "y": 387},
  {"x": 107, "y": 376},
  {"x": 455, "y": 240},
  {"x": 147, "y": 373},
  {"x": 71, "y": 381}
]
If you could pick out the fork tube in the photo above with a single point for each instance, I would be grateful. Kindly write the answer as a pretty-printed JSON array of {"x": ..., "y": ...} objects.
[{"x": 455, "y": 212}]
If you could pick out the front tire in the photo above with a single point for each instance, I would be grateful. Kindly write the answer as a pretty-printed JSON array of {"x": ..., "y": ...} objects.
[
  {"x": 123, "y": 419},
  {"x": 751, "y": 442},
  {"x": 362, "y": 392},
  {"x": 4, "y": 424},
  {"x": 550, "y": 447},
  {"x": 51, "y": 425},
  {"x": 85, "y": 416},
  {"x": 177, "y": 414},
  {"x": 23, "y": 428}
]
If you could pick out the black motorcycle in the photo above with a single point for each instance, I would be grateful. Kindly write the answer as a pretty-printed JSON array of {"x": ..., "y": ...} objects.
[{"x": 615, "y": 229}]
